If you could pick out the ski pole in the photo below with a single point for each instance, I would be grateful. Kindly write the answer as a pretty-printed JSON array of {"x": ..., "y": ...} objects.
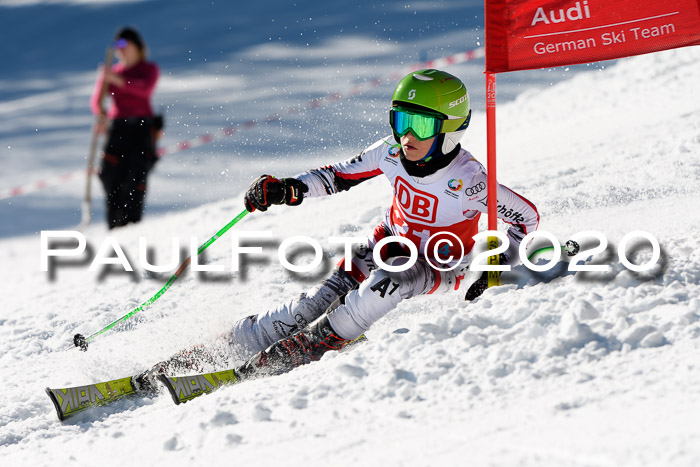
[
  {"x": 571, "y": 248},
  {"x": 82, "y": 342},
  {"x": 86, "y": 207}
]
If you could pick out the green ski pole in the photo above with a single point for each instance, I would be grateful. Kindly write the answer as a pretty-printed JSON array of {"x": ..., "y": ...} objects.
[
  {"x": 571, "y": 248},
  {"x": 82, "y": 342}
]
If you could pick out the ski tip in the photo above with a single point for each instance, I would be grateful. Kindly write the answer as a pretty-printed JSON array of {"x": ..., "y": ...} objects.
[
  {"x": 166, "y": 382},
  {"x": 56, "y": 405}
]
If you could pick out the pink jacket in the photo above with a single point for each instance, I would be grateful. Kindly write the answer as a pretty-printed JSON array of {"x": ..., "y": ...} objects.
[{"x": 133, "y": 99}]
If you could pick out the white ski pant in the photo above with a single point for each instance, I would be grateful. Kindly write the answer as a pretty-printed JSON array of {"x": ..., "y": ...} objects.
[
  {"x": 383, "y": 291},
  {"x": 257, "y": 332},
  {"x": 352, "y": 309}
]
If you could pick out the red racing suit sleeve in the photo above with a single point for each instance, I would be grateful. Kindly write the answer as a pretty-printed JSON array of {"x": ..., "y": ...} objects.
[
  {"x": 513, "y": 209},
  {"x": 342, "y": 176}
]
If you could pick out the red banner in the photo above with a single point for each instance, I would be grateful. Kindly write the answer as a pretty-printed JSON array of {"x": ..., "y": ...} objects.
[{"x": 527, "y": 34}]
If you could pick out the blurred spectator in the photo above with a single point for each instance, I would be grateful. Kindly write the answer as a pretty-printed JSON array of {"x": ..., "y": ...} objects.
[{"x": 131, "y": 127}]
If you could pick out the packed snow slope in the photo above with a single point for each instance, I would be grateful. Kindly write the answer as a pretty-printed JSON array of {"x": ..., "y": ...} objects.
[{"x": 548, "y": 369}]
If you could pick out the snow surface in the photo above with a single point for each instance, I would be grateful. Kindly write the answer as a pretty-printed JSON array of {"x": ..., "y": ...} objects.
[{"x": 548, "y": 369}]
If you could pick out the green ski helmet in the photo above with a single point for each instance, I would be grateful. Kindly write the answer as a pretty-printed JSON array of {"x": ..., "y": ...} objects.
[{"x": 434, "y": 93}]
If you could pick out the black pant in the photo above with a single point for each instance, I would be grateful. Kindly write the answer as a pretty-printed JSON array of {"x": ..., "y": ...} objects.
[{"x": 128, "y": 157}]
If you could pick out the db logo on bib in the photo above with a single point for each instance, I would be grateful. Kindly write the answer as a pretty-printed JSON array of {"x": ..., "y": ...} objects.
[{"x": 416, "y": 205}]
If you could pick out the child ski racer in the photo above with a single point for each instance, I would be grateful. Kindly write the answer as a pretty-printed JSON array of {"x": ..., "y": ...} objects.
[{"x": 439, "y": 194}]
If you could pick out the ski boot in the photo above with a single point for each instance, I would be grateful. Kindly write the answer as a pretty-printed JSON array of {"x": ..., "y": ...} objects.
[
  {"x": 305, "y": 346},
  {"x": 146, "y": 382}
]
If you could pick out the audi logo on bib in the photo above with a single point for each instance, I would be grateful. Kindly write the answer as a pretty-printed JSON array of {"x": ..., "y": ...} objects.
[{"x": 416, "y": 205}]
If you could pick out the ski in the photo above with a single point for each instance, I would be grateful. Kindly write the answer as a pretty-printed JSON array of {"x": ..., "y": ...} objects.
[
  {"x": 186, "y": 388},
  {"x": 73, "y": 400},
  {"x": 70, "y": 401}
]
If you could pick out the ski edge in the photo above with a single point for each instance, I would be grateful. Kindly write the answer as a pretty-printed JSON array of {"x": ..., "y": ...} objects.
[
  {"x": 56, "y": 405},
  {"x": 183, "y": 389}
]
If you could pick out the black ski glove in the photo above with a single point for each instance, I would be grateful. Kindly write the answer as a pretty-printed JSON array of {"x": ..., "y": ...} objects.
[
  {"x": 482, "y": 283},
  {"x": 268, "y": 190}
]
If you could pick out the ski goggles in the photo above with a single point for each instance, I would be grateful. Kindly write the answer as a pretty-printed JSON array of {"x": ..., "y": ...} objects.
[{"x": 423, "y": 126}]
